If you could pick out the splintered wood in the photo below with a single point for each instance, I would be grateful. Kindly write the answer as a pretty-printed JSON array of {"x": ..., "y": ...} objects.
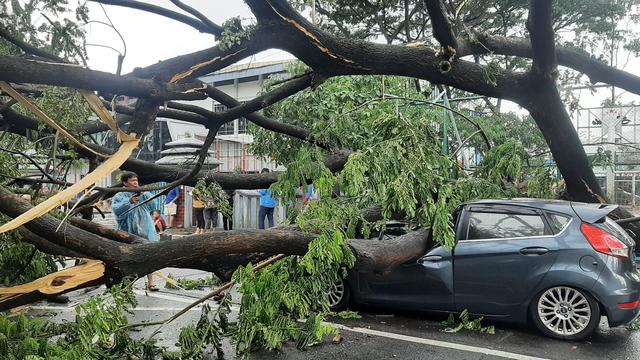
[
  {"x": 5, "y": 87},
  {"x": 113, "y": 162},
  {"x": 56, "y": 283},
  {"x": 106, "y": 168}
]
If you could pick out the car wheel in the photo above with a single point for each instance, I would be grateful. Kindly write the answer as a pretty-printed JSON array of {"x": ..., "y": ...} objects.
[
  {"x": 566, "y": 313},
  {"x": 339, "y": 296}
]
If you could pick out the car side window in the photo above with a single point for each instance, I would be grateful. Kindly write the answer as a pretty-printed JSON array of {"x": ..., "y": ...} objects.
[
  {"x": 489, "y": 225},
  {"x": 558, "y": 222}
]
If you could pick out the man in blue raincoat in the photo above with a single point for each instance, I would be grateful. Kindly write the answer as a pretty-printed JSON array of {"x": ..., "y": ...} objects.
[{"x": 132, "y": 219}]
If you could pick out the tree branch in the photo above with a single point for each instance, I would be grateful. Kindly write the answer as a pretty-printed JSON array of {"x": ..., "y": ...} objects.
[
  {"x": 442, "y": 29},
  {"x": 540, "y": 26},
  {"x": 199, "y": 25},
  {"x": 31, "y": 160},
  {"x": 212, "y": 59},
  {"x": 217, "y": 30},
  {"x": 333, "y": 56},
  {"x": 14, "y": 69},
  {"x": 263, "y": 121},
  {"x": 28, "y": 48},
  {"x": 573, "y": 58}
]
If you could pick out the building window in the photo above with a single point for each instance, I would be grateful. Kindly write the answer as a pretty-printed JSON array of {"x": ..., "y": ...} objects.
[
  {"x": 223, "y": 82},
  {"x": 225, "y": 129},
  {"x": 242, "y": 125}
]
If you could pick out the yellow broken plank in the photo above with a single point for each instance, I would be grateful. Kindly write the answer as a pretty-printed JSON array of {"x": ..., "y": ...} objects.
[
  {"x": 167, "y": 279},
  {"x": 22, "y": 100},
  {"x": 106, "y": 168},
  {"x": 58, "y": 282},
  {"x": 98, "y": 107}
]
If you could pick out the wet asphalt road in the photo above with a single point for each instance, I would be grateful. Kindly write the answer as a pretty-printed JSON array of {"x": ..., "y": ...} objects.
[{"x": 379, "y": 334}]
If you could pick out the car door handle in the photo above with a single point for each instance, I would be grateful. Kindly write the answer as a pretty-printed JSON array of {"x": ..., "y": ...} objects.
[
  {"x": 534, "y": 251},
  {"x": 430, "y": 258}
]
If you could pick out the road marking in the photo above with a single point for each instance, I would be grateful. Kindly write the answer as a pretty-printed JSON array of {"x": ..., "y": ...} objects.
[
  {"x": 163, "y": 296},
  {"x": 72, "y": 308},
  {"x": 139, "y": 308},
  {"x": 450, "y": 345}
]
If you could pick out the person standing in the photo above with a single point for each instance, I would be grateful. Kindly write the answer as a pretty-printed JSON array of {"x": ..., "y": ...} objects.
[
  {"x": 171, "y": 205},
  {"x": 133, "y": 217},
  {"x": 267, "y": 205},
  {"x": 210, "y": 214},
  {"x": 198, "y": 207},
  {"x": 306, "y": 197},
  {"x": 227, "y": 221}
]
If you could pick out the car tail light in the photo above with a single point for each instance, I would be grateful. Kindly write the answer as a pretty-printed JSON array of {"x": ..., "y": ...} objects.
[
  {"x": 604, "y": 242},
  {"x": 630, "y": 306}
]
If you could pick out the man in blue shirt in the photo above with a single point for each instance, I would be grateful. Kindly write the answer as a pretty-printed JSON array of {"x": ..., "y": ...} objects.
[
  {"x": 267, "y": 204},
  {"x": 171, "y": 206},
  {"x": 132, "y": 218},
  {"x": 306, "y": 198}
]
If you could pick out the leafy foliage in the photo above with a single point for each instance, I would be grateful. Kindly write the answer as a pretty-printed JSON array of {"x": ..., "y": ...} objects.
[
  {"x": 210, "y": 329},
  {"x": 53, "y": 25},
  {"x": 398, "y": 161},
  {"x": 503, "y": 163},
  {"x": 193, "y": 284},
  {"x": 233, "y": 33},
  {"x": 465, "y": 324},
  {"x": 275, "y": 298},
  {"x": 98, "y": 332},
  {"x": 634, "y": 325},
  {"x": 21, "y": 262},
  {"x": 213, "y": 196}
]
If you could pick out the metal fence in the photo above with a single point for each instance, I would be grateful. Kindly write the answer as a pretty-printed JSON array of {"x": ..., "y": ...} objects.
[
  {"x": 246, "y": 204},
  {"x": 627, "y": 188}
]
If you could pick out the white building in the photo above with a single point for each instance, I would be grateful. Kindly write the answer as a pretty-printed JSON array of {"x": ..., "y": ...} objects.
[
  {"x": 242, "y": 82},
  {"x": 613, "y": 133}
]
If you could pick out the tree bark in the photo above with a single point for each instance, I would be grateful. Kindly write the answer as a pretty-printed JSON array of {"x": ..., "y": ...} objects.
[{"x": 14, "y": 69}]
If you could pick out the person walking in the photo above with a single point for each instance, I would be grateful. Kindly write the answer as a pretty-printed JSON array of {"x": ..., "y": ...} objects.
[
  {"x": 133, "y": 217},
  {"x": 267, "y": 205},
  {"x": 171, "y": 206}
]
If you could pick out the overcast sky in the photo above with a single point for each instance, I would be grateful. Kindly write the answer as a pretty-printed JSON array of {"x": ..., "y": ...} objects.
[{"x": 151, "y": 37}]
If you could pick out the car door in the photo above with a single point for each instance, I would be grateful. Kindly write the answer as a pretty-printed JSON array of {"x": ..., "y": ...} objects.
[
  {"x": 425, "y": 284},
  {"x": 501, "y": 257}
]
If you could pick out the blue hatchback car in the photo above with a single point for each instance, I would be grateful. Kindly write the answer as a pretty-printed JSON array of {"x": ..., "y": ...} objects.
[{"x": 561, "y": 265}]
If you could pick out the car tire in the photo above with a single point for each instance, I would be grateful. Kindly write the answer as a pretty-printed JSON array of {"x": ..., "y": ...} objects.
[
  {"x": 566, "y": 313},
  {"x": 340, "y": 296}
]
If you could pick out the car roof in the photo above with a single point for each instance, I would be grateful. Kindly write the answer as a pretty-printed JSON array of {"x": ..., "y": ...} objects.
[{"x": 589, "y": 212}]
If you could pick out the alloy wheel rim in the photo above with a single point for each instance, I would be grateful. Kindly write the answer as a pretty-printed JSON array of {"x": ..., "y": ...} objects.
[
  {"x": 336, "y": 294},
  {"x": 564, "y": 310}
]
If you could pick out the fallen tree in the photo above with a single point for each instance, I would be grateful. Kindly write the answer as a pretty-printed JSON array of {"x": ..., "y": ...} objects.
[
  {"x": 394, "y": 163},
  {"x": 121, "y": 257}
]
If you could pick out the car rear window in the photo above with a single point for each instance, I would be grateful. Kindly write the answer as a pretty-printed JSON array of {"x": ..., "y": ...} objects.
[
  {"x": 488, "y": 225},
  {"x": 558, "y": 222},
  {"x": 611, "y": 226}
]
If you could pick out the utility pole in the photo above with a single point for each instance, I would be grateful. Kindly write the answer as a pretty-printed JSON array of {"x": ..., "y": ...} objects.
[{"x": 313, "y": 12}]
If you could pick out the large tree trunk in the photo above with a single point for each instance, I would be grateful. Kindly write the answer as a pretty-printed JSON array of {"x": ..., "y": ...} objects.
[{"x": 203, "y": 252}]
